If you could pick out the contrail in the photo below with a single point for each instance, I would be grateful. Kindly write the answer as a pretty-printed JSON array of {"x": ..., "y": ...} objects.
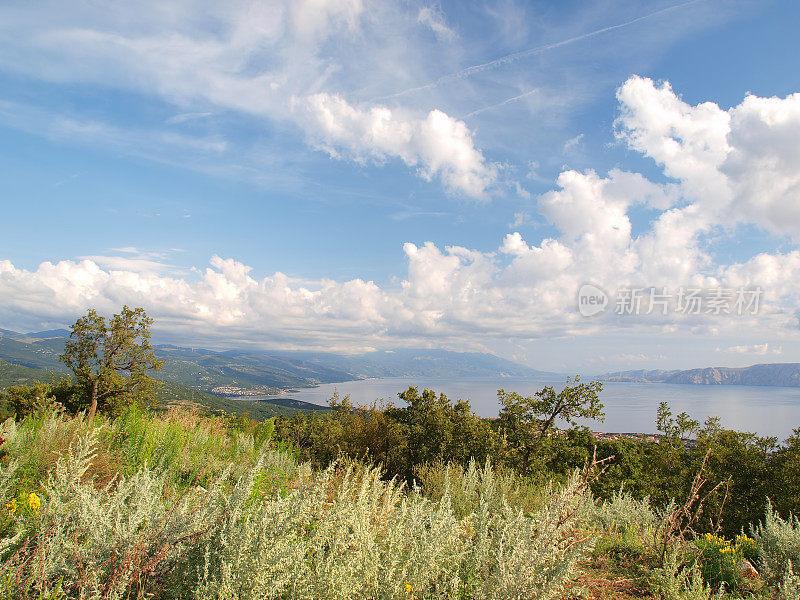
[
  {"x": 514, "y": 99},
  {"x": 509, "y": 58}
]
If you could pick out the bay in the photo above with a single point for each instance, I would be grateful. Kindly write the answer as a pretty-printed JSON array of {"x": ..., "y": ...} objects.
[{"x": 629, "y": 407}]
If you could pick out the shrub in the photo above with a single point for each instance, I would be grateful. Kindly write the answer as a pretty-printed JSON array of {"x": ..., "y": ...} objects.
[
  {"x": 345, "y": 533},
  {"x": 622, "y": 513},
  {"x": 27, "y": 399},
  {"x": 109, "y": 518},
  {"x": 464, "y": 486},
  {"x": 778, "y": 542},
  {"x": 87, "y": 542},
  {"x": 790, "y": 587},
  {"x": 676, "y": 581},
  {"x": 625, "y": 549}
]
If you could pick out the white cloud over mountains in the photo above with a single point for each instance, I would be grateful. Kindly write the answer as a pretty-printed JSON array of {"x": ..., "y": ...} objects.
[{"x": 721, "y": 168}]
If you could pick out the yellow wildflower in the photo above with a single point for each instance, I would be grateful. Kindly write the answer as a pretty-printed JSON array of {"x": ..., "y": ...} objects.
[
  {"x": 33, "y": 502},
  {"x": 12, "y": 507}
]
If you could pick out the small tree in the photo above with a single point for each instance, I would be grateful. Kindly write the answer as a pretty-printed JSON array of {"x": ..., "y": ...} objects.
[
  {"x": 110, "y": 360},
  {"x": 526, "y": 421},
  {"x": 22, "y": 400}
]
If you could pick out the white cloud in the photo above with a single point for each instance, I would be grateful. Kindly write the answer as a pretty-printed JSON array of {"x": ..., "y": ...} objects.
[
  {"x": 259, "y": 59},
  {"x": 736, "y": 166},
  {"x": 521, "y": 291},
  {"x": 455, "y": 296},
  {"x": 573, "y": 142},
  {"x": 313, "y": 19},
  {"x": 434, "y": 18},
  {"x": 763, "y": 165},
  {"x": 757, "y": 349},
  {"x": 438, "y": 145},
  {"x": 520, "y": 218},
  {"x": 184, "y": 117}
]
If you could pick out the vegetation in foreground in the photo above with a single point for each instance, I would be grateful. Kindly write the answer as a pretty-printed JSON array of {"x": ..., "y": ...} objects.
[
  {"x": 179, "y": 505},
  {"x": 103, "y": 497}
]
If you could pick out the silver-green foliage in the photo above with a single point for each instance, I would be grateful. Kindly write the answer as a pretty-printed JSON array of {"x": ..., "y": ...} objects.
[
  {"x": 99, "y": 543},
  {"x": 778, "y": 543},
  {"x": 790, "y": 587},
  {"x": 345, "y": 533},
  {"x": 464, "y": 486},
  {"x": 623, "y": 513},
  {"x": 673, "y": 583},
  {"x": 278, "y": 530}
]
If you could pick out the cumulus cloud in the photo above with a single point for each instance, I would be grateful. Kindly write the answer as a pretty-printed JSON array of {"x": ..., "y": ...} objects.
[
  {"x": 437, "y": 145},
  {"x": 737, "y": 166},
  {"x": 763, "y": 164},
  {"x": 452, "y": 295},
  {"x": 523, "y": 290}
]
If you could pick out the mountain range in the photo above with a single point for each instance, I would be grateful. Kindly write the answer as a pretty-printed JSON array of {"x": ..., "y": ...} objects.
[
  {"x": 248, "y": 372},
  {"x": 773, "y": 374},
  {"x": 193, "y": 374}
]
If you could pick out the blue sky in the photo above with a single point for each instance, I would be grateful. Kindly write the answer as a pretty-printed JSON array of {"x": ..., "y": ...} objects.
[{"x": 348, "y": 175}]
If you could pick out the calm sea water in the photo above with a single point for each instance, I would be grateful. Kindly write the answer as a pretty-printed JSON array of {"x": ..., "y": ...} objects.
[{"x": 629, "y": 407}]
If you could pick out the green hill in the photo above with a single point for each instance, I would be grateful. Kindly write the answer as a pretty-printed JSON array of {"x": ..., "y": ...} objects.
[
  {"x": 174, "y": 394},
  {"x": 200, "y": 369},
  {"x": 234, "y": 372},
  {"x": 11, "y": 374}
]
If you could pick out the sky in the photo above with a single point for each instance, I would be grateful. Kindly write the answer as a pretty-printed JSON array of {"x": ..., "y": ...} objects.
[{"x": 352, "y": 175}]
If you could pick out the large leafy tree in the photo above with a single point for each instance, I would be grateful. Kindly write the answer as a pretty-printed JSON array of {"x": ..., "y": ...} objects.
[
  {"x": 435, "y": 428},
  {"x": 527, "y": 421},
  {"x": 111, "y": 359}
]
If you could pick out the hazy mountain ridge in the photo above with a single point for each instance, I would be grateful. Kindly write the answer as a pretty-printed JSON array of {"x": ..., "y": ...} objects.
[
  {"x": 769, "y": 374},
  {"x": 246, "y": 371},
  {"x": 417, "y": 362}
]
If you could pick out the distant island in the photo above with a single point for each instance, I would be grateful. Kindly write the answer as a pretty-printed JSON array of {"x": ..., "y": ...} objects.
[{"x": 773, "y": 374}]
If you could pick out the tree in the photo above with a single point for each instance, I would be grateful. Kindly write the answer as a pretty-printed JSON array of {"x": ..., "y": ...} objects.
[
  {"x": 679, "y": 427},
  {"x": 526, "y": 421},
  {"x": 111, "y": 360},
  {"x": 433, "y": 428}
]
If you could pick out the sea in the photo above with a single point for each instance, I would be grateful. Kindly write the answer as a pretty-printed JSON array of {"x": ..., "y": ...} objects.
[{"x": 629, "y": 407}]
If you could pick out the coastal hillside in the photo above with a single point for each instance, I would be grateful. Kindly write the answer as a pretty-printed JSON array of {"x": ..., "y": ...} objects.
[
  {"x": 247, "y": 372},
  {"x": 172, "y": 394},
  {"x": 775, "y": 374}
]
